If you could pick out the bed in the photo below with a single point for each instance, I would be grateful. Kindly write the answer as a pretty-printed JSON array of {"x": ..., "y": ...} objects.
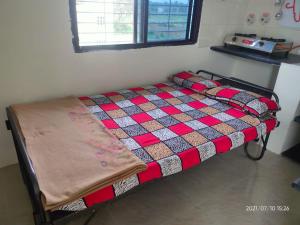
[{"x": 169, "y": 127}]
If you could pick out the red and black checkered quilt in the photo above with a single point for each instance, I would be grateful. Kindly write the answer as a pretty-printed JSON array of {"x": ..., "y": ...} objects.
[{"x": 171, "y": 129}]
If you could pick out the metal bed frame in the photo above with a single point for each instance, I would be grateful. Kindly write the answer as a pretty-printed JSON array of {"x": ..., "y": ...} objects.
[
  {"x": 42, "y": 217},
  {"x": 254, "y": 88}
]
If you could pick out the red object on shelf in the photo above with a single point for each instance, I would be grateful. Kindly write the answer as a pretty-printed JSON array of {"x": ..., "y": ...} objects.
[{"x": 247, "y": 42}]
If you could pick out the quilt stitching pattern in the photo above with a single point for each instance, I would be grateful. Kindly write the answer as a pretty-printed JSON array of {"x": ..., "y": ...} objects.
[{"x": 170, "y": 128}]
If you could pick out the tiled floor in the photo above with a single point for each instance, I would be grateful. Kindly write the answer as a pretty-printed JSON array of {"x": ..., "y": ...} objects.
[{"x": 216, "y": 192}]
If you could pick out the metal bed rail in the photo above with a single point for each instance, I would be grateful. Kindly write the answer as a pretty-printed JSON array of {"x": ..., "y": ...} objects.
[
  {"x": 27, "y": 169},
  {"x": 254, "y": 88},
  {"x": 40, "y": 215}
]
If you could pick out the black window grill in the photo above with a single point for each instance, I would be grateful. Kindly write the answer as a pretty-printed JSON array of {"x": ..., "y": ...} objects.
[{"x": 123, "y": 24}]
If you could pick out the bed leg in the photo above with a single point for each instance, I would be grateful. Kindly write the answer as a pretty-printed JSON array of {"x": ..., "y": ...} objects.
[
  {"x": 263, "y": 149},
  {"x": 40, "y": 219},
  {"x": 90, "y": 217}
]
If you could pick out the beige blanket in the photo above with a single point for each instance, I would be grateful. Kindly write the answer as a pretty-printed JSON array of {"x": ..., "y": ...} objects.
[{"x": 71, "y": 151}]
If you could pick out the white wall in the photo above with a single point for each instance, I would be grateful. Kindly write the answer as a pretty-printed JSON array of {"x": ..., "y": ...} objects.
[
  {"x": 288, "y": 79},
  {"x": 219, "y": 18},
  {"x": 261, "y": 73},
  {"x": 273, "y": 28},
  {"x": 288, "y": 90},
  {"x": 37, "y": 60}
]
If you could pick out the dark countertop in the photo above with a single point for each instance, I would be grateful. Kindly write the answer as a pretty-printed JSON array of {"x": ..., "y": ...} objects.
[{"x": 260, "y": 57}]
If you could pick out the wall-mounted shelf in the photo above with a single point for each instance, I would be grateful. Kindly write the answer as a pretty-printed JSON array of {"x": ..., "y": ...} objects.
[{"x": 240, "y": 52}]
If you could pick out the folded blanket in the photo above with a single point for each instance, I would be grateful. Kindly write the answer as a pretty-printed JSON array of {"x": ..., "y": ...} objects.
[{"x": 72, "y": 153}]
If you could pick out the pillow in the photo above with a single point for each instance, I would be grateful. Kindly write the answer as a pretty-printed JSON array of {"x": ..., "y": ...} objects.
[
  {"x": 194, "y": 82},
  {"x": 248, "y": 101}
]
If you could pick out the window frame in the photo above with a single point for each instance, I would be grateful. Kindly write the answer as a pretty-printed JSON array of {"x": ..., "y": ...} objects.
[{"x": 194, "y": 30}]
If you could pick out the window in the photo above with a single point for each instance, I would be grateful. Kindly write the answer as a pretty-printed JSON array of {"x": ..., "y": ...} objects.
[{"x": 125, "y": 24}]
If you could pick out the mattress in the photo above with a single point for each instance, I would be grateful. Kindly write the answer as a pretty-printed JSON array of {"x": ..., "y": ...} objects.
[{"x": 171, "y": 129}]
